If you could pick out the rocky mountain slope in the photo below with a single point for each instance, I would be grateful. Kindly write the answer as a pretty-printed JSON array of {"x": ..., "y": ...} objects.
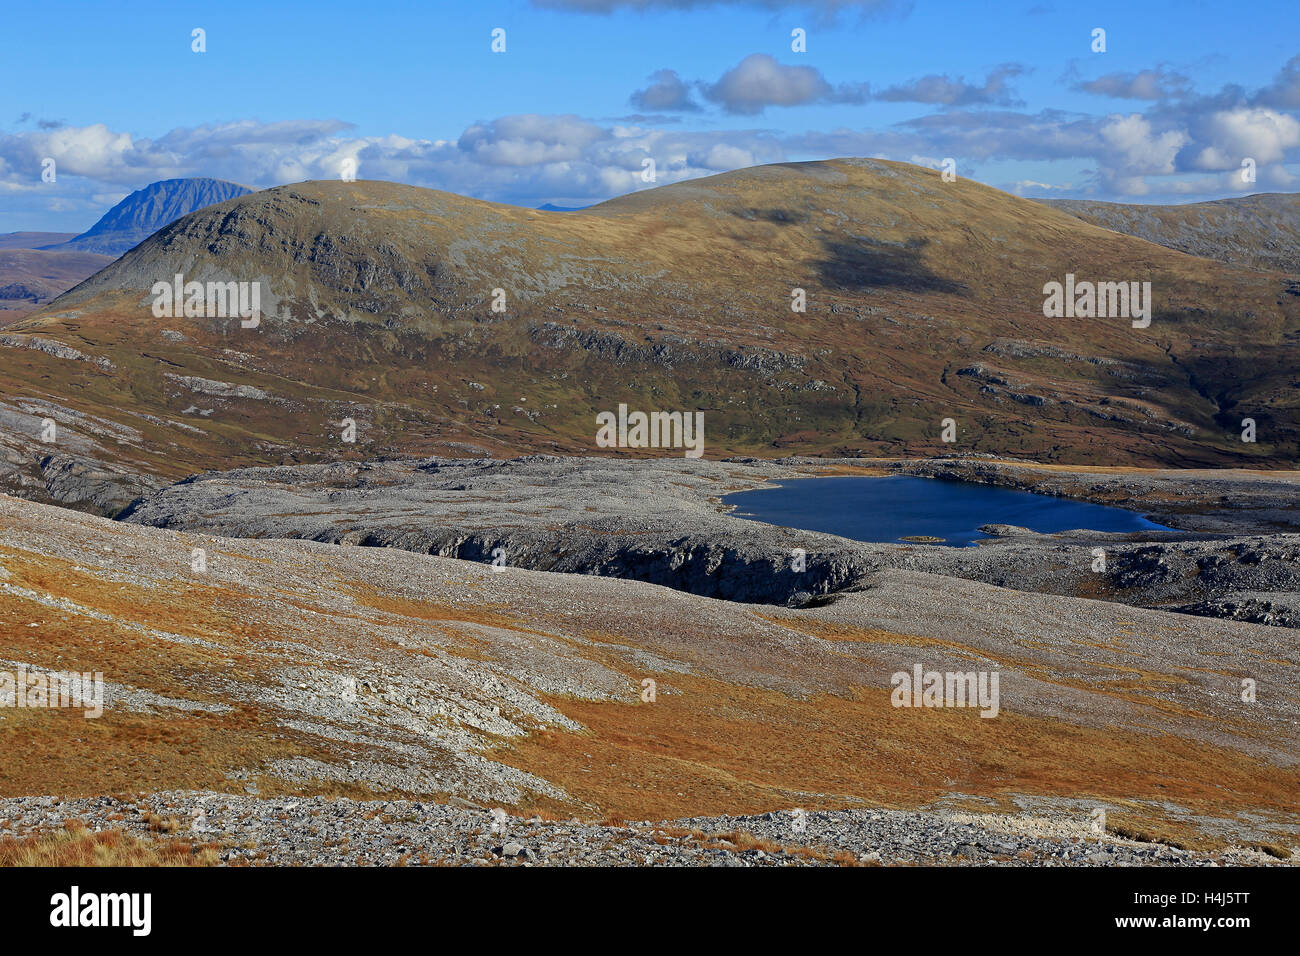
[
  {"x": 290, "y": 670},
  {"x": 1254, "y": 232},
  {"x": 147, "y": 210},
  {"x": 924, "y": 303}
]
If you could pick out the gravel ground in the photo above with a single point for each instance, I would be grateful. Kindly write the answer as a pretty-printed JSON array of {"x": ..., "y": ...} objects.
[{"x": 326, "y": 832}]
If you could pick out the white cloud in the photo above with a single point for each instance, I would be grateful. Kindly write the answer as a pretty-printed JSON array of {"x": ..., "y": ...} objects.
[
  {"x": 946, "y": 91},
  {"x": 528, "y": 159},
  {"x": 530, "y": 140},
  {"x": 667, "y": 91},
  {"x": 1136, "y": 148},
  {"x": 1190, "y": 147},
  {"x": 1231, "y": 135},
  {"x": 722, "y": 156},
  {"x": 759, "y": 81}
]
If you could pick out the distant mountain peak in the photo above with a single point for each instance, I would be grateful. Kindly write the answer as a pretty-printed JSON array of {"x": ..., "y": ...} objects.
[{"x": 145, "y": 211}]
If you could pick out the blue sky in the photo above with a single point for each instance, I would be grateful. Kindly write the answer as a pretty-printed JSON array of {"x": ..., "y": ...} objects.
[{"x": 588, "y": 89}]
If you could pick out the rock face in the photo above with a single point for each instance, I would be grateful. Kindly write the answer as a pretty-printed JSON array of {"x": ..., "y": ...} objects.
[
  {"x": 147, "y": 210},
  {"x": 661, "y": 522}
]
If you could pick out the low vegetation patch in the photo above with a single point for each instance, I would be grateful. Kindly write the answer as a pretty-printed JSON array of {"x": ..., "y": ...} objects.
[{"x": 76, "y": 845}]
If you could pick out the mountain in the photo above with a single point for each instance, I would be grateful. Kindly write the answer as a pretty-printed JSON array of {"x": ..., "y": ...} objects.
[
  {"x": 33, "y": 240},
  {"x": 924, "y": 302},
  {"x": 32, "y": 277},
  {"x": 1257, "y": 232},
  {"x": 147, "y": 210},
  {"x": 39, "y": 275},
  {"x": 37, "y": 266}
]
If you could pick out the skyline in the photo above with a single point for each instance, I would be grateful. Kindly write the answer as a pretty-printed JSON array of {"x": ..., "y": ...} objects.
[{"x": 587, "y": 90}]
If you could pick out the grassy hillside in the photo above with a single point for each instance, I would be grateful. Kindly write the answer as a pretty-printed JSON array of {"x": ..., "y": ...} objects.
[{"x": 924, "y": 302}]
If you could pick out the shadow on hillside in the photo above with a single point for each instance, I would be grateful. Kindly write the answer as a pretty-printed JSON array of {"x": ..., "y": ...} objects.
[
  {"x": 781, "y": 217},
  {"x": 866, "y": 264}
]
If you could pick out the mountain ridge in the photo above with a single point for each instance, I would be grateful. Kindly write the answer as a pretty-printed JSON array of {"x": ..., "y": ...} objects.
[
  {"x": 148, "y": 209},
  {"x": 924, "y": 302},
  {"x": 1260, "y": 231}
]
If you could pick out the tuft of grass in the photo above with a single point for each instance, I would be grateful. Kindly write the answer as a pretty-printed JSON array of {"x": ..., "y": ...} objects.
[
  {"x": 76, "y": 845},
  {"x": 1145, "y": 836},
  {"x": 1273, "y": 850},
  {"x": 159, "y": 824}
]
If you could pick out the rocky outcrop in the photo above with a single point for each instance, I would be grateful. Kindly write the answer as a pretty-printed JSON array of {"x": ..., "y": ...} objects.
[
  {"x": 662, "y": 522},
  {"x": 51, "y": 347}
]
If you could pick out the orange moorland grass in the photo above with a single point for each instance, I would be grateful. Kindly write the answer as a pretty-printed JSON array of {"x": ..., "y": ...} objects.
[
  {"x": 186, "y": 607},
  {"x": 708, "y": 747},
  {"x": 739, "y": 841},
  {"x": 76, "y": 845},
  {"x": 1131, "y": 823},
  {"x": 715, "y": 748},
  {"x": 60, "y": 751}
]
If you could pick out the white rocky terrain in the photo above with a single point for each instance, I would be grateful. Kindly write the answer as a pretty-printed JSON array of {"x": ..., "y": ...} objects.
[{"x": 418, "y": 693}]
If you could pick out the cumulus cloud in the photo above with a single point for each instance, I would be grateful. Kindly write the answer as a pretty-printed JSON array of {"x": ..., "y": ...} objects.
[
  {"x": 759, "y": 81},
  {"x": 1284, "y": 91},
  {"x": 1154, "y": 84},
  {"x": 945, "y": 91},
  {"x": 530, "y": 140},
  {"x": 667, "y": 91},
  {"x": 528, "y": 159},
  {"x": 1133, "y": 150},
  {"x": 1134, "y": 145},
  {"x": 1131, "y": 155},
  {"x": 1189, "y": 146},
  {"x": 1226, "y": 137},
  {"x": 245, "y": 151}
]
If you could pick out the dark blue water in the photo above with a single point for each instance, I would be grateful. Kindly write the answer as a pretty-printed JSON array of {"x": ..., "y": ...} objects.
[{"x": 897, "y": 507}]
